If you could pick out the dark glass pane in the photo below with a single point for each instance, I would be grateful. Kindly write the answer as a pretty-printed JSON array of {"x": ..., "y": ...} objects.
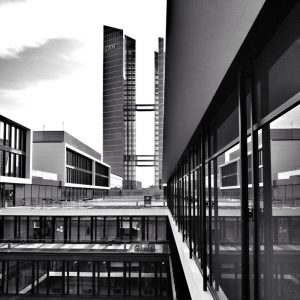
[{"x": 279, "y": 200}]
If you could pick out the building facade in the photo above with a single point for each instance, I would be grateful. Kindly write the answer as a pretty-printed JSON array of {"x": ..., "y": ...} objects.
[
  {"x": 85, "y": 253},
  {"x": 159, "y": 74},
  {"x": 15, "y": 160},
  {"x": 79, "y": 168},
  {"x": 231, "y": 155},
  {"x": 119, "y": 109}
]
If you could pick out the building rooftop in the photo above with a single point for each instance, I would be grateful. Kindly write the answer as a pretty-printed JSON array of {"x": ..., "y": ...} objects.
[{"x": 63, "y": 136}]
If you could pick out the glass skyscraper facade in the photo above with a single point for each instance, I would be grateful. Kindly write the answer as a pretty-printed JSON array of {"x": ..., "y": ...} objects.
[
  {"x": 129, "y": 179},
  {"x": 159, "y": 74},
  {"x": 119, "y": 105}
]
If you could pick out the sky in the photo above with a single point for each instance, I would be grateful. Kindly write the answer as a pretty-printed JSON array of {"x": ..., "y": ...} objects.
[{"x": 51, "y": 64}]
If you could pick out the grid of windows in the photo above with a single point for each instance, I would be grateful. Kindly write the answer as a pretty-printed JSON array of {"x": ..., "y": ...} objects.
[
  {"x": 12, "y": 149},
  {"x": 119, "y": 105},
  {"x": 129, "y": 177},
  {"x": 113, "y": 98},
  {"x": 83, "y": 229},
  {"x": 106, "y": 278},
  {"x": 79, "y": 168},
  {"x": 101, "y": 175},
  {"x": 159, "y": 58}
]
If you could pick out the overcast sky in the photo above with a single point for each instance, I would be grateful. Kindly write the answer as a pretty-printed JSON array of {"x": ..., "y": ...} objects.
[{"x": 51, "y": 64}]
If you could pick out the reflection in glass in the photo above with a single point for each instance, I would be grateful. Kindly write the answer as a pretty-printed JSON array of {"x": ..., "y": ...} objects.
[{"x": 280, "y": 207}]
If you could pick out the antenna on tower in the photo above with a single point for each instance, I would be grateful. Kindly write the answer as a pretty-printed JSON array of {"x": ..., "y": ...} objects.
[{"x": 63, "y": 125}]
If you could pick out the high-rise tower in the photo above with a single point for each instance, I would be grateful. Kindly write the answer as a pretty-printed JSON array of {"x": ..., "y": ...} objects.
[
  {"x": 119, "y": 132},
  {"x": 159, "y": 74}
]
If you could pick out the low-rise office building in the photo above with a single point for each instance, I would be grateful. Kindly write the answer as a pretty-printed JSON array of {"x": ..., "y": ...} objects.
[
  {"x": 15, "y": 160},
  {"x": 47, "y": 166},
  {"x": 79, "y": 168}
]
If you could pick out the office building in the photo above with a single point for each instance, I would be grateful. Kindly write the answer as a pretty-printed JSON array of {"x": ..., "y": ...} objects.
[
  {"x": 47, "y": 165},
  {"x": 159, "y": 74},
  {"x": 79, "y": 168},
  {"x": 231, "y": 144},
  {"x": 119, "y": 106},
  {"x": 15, "y": 160}
]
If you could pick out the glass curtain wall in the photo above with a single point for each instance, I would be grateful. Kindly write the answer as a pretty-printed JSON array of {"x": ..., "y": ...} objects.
[
  {"x": 83, "y": 229},
  {"x": 236, "y": 201},
  {"x": 86, "y": 278}
]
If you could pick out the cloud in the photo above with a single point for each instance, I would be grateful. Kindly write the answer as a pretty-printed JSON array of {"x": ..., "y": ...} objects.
[
  {"x": 10, "y": 1},
  {"x": 7, "y": 99},
  {"x": 48, "y": 61}
]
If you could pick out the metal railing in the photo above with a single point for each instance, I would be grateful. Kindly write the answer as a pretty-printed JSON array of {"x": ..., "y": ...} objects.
[{"x": 65, "y": 203}]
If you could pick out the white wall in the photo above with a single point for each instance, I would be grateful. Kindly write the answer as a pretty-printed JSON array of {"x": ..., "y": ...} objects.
[{"x": 49, "y": 157}]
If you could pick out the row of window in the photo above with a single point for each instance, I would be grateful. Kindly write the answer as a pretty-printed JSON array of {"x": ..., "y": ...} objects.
[
  {"x": 77, "y": 160},
  {"x": 83, "y": 229},
  {"x": 12, "y": 164},
  {"x": 12, "y": 136},
  {"x": 101, "y": 181},
  {"x": 79, "y": 176},
  {"x": 102, "y": 170},
  {"x": 85, "y": 278}
]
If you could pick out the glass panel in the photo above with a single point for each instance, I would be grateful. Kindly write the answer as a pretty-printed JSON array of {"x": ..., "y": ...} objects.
[
  {"x": 18, "y": 138},
  {"x": 72, "y": 277},
  {"x": 85, "y": 278},
  {"x": 148, "y": 279},
  {"x": 13, "y": 137},
  {"x": 73, "y": 229},
  {"x": 42, "y": 277},
  {"x": 12, "y": 165},
  {"x": 134, "y": 278},
  {"x": 1, "y": 133},
  {"x": 11, "y": 276},
  {"x": 55, "y": 278},
  {"x": 111, "y": 228},
  {"x": 125, "y": 230},
  {"x": 7, "y": 135},
  {"x": 59, "y": 229},
  {"x": 17, "y": 165},
  {"x": 25, "y": 277},
  {"x": 47, "y": 229},
  {"x": 22, "y": 230},
  {"x": 280, "y": 204},
  {"x": 1, "y": 276},
  {"x": 164, "y": 279},
  {"x": 34, "y": 229},
  {"x": 151, "y": 229},
  {"x": 6, "y": 163},
  {"x": 207, "y": 201},
  {"x": 19, "y": 195},
  {"x": 99, "y": 229},
  {"x": 103, "y": 276},
  {"x": 226, "y": 255},
  {"x": 161, "y": 228},
  {"x": 2, "y": 166},
  {"x": 116, "y": 278},
  {"x": 9, "y": 228},
  {"x": 85, "y": 229}
]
